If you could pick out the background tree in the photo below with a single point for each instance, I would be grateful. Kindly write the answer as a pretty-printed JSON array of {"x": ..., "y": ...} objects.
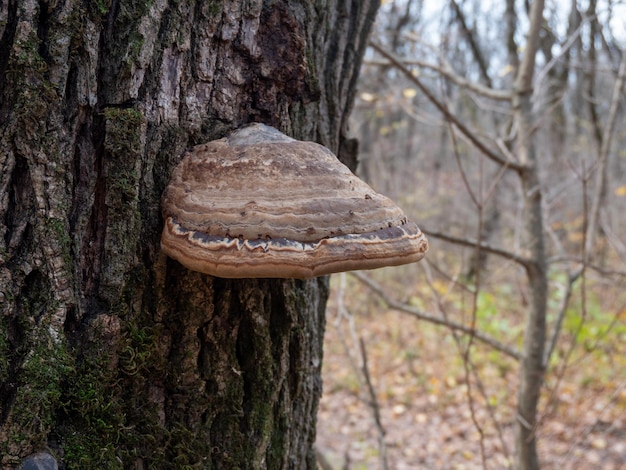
[
  {"x": 112, "y": 356},
  {"x": 499, "y": 138}
]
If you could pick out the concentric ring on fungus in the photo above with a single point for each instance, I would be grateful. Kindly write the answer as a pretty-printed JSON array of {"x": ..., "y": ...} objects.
[{"x": 261, "y": 204}]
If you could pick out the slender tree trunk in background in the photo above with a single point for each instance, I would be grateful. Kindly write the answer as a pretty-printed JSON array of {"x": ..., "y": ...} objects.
[
  {"x": 111, "y": 355},
  {"x": 590, "y": 74},
  {"x": 510, "y": 16},
  {"x": 602, "y": 124},
  {"x": 469, "y": 36},
  {"x": 532, "y": 369}
]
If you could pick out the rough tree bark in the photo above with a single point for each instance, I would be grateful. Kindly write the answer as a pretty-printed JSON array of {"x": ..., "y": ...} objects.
[{"x": 111, "y": 355}]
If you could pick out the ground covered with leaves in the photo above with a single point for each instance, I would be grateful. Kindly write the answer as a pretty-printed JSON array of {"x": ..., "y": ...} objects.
[{"x": 416, "y": 412}]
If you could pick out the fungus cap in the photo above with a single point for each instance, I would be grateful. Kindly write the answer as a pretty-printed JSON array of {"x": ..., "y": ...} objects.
[{"x": 261, "y": 204}]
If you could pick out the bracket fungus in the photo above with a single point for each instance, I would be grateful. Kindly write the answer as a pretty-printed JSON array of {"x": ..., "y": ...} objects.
[{"x": 261, "y": 204}]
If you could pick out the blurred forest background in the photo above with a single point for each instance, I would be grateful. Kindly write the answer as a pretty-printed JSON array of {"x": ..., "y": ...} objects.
[{"x": 501, "y": 131}]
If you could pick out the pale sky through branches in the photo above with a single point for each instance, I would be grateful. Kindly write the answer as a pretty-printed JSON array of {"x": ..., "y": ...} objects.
[{"x": 557, "y": 12}]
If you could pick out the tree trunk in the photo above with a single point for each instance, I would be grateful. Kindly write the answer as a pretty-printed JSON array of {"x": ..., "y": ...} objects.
[
  {"x": 532, "y": 372},
  {"x": 112, "y": 355}
]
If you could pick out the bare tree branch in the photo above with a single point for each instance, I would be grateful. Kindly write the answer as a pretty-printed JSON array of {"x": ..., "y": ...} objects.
[
  {"x": 525, "y": 262},
  {"x": 447, "y": 71},
  {"x": 344, "y": 314},
  {"x": 495, "y": 157},
  {"x": 362, "y": 373},
  {"x": 373, "y": 402},
  {"x": 470, "y": 367},
  {"x": 580, "y": 260},
  {"x": 571, "y": 279},
  {"x": 401, "y": 307},
  {"x": 612, "y": 238},
  {"x": 571, "y": 40}
]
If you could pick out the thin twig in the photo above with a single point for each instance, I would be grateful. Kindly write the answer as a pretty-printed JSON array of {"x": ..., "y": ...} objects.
[
  {"x": 605, "y": 147},
  {"x": 457, "y": 158},
  {"x": 362, "y": 373},
  {"x": 525, "y": 262},
  {"x": 470, "y": 367},
  {"x": 344, "y": 314},
  {"x": 567, "y": 294},
  {"x": 401, "y": 307},
  {"x": 373, "y": 402},
  {"x": 453, "y": 279},
  {"x": 560, "y": 372},
  {"x": 613, "y": 240},
  {"x": 447, "y": 71},
  {"x": 492, "y": 412},
  {"x": 594, "y": 267},
  {"x": 543, "y": 73}
]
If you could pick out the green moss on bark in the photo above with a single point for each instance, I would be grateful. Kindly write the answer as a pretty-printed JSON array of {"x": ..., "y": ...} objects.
[
  {"x": 101, "y": 426},
  {"x": 98, "y": 420},
  {"x": 123, "y": 148},
  {"x": 57, "y": 229},
  {"x": 39, "y": 395},
  {"x": 112, "y": 417},
  {"x": 4, "y": 349}
]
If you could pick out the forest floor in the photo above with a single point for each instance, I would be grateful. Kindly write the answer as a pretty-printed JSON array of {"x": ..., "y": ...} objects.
[{"x": 419, "y": 381}]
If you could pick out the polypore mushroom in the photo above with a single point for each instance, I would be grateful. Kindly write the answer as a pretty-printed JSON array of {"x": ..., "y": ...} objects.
[{"x": 261, "y": 204}]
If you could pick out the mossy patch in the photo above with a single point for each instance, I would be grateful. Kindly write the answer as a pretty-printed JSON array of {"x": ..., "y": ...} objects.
[
  {"x": 100, "y": 7},
  {"x": 111, "y": 418},
  {"x": 97, "y": 424},
  {"x": 58, "y": 230},
  {"x": 4, "y": 349},
  {"x": 214, "y": 8},
  {"x": 122, "y": 129},
  {"x": 26, "y": 55},
  {"x": 97, "y": 419},
  {"x": 123, "y": 147},
  {"x": 39, "y": 394},
  {"x": 34, "y": 94}
]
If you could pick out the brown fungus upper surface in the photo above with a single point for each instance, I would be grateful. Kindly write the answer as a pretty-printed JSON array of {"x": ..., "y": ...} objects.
[{"x": 261, "y": 204}]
